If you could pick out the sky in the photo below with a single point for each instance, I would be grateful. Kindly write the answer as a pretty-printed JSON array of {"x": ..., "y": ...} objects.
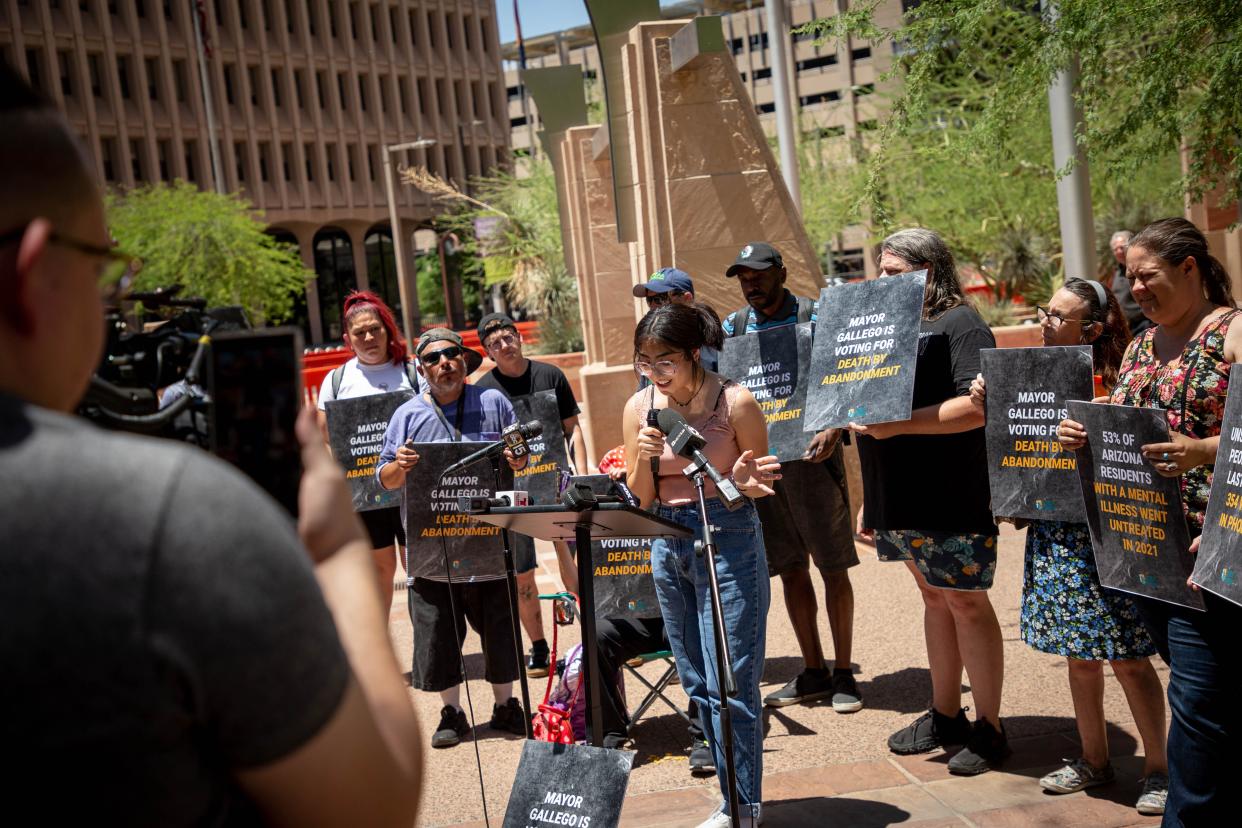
[{"x": 542, "y": 16}]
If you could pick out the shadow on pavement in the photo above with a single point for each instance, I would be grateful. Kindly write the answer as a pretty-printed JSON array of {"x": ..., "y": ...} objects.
[
  {"x": 906, "y": 691},
  {"x": 856, "y": 813}
]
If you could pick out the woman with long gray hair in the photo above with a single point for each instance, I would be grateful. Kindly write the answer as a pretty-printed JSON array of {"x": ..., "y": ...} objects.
[{"x": 944, "y": 533}]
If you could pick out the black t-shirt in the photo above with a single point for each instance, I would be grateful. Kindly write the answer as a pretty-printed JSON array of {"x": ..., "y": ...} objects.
[
  {"x": 539, "y": 376},
  {"x": 934, "y": 481},
  {"x": 162, "y": 628}
]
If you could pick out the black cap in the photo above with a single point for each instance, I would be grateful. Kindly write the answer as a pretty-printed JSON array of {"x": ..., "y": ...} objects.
[
  {"x": 473, "y": 358},
  {"x": 494, "y": 322},
  {"x": 756, "y": 256}
]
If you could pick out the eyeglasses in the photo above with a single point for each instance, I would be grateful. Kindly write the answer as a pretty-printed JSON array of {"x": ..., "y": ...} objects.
[
  {"x": 118, "y": 266},
  {"x": 655, "y": 300},
  {"x": 1056, "y": 320},
  {"x": 663, "y": 368},
  {"x": 433, "y": 357},
  {"x": 505, "y": 340}
]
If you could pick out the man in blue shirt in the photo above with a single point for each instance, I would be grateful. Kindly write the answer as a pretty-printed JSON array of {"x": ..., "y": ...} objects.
[
  {"x": 809, "y": 517},
  {"x": 453, "y": 411}
]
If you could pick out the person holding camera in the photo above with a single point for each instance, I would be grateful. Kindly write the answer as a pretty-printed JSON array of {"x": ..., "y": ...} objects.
[
  {"x": 452, "y": 411},
  {"x": 377, "y": 367},
  {"x": 174, "y": 654},
  {"x": 667, "y": 345}
]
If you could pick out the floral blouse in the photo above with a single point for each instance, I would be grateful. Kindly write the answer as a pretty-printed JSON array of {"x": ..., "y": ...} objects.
[{"x": 1192, "y": 392}]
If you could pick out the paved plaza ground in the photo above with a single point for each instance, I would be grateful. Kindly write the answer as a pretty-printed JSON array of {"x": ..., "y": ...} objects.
[{"x": 821, "y": 767}]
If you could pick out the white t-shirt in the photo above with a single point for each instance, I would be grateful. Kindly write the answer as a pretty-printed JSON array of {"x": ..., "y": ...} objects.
[{"x": 360, "y": 380}]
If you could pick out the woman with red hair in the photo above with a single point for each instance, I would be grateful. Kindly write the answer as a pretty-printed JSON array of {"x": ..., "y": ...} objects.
[{"x": 377, "y": 367}]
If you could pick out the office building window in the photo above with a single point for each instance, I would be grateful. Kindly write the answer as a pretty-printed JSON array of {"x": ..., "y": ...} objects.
[
  {"x": 92, "y": 69},
  {"x": 432, "y": 38},
  {"x": 286, "y": 161},
  {"x": 320, "y": 83},
  {"x": 153, "y": 79},
  {"x": 759, "y": 41},
  {"x": 821, "y": 97},
  {"x": 353, "y": 21},
  {"x": 450, "y": 29},
  {"x": 64, "y": 64},
  {"x": 373, "y": 17},
  {"x": 351, "y": 158},
  {"x": 372, "y": 164},
  {"x": 179, "y": 80},
  {"x": 230, "y": 84},
  {"x": 362, "y": 92},
  {"x": 191, "y": 164},
  {"x": 392, "y": 24},
  {"x": 308, "y": 150},
  {"x": 467, "y": 23},
  {"x": 239, "y": 156},
  {"x": 135, "y": 159},
  {"x": 252, "y": 78},
  {"x": 817, "y": 63},
  {"x": 861, "y": 53},
  {"x": 299, "y": 79},
  {"x": 289, "y": 22},
  {"x": 332, "y": 20},
  {"x": 403, "y": 93},
  {"x": 276, "y": 84},
  {"x": 164, "y": 152},
  {"x": 340, "y": 89},
  {"x": 764, "y": 109},
  {"x": 243, "y": 19},
  {"x": 122, "y": 73},
  {"x": 421, "y": 84},
  {"x": 384, "y": 86},
  {"x": 440, "y": 95},
  {"x": 265, "y": 152},
  {"x": 330, "y": 154},
  {"x": 762, "y": 73},
  {"x": 107, "y": 149}
]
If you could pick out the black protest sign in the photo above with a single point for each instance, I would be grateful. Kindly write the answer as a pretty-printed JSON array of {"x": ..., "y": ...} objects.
[
  {"x": 863, "y": 356},
  {"x": 1031, "y": 474},
  {"x": 356, "y": 434},
  {"x": 568, "y": 786},
  {"x": 1138, "y": 529},
  {"x": 774, "y": 364},
  {"x": 621, "y": 578},
  {"x": 434, "y": 526},
  {"x": 547, "y": 451},
  {"x": 1220, "y": 551}
]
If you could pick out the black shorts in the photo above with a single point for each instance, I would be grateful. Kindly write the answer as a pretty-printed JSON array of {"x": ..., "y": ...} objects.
[
  {"x": 808, "y": 519},
  {"x": 383, "y": 525},
  {"x": 439, "y": 632}
]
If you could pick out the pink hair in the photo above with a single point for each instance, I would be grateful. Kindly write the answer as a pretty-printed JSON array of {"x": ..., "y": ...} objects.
[{"x": 364, "y": 301}]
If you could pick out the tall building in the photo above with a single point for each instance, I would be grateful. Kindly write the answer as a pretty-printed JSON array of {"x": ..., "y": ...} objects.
[
  {"x": 832, "y": 87},
  {"x": 304, "y": 96}
]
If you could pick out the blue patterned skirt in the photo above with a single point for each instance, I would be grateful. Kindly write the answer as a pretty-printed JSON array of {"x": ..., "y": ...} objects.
[{"x": 1065, "y": 611}]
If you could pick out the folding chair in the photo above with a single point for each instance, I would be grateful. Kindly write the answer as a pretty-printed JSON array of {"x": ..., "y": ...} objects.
[{"x": 655, "y": 690}]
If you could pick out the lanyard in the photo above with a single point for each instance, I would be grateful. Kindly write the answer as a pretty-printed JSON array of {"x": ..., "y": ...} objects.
[{"x": 458, "y": 419}]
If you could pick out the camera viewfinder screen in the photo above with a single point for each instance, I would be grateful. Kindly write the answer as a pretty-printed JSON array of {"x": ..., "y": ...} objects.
[{"x": 256, "y": 394}]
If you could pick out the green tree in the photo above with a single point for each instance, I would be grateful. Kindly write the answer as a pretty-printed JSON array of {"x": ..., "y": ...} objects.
[
  {"x": 1155, "y": 78},
  {"x": 524, "y": 251},
  {"x": 962, "y": 153},
  {"x": 213, "y": 244}
]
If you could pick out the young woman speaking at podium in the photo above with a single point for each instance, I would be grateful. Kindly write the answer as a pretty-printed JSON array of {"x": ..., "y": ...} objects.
[{"x": 667, "y": 346}]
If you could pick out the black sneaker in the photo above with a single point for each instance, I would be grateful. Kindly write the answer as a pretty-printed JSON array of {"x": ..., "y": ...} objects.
[
  {"x": 453, "y": 726},
  {"x": 702, "y": 762},
  {"x": 508, "y": 717},
  {"x": 986, "y": 749},
  {"x": 809, "y": 685},
  {"x": 931, "y": 730},
  {"x": 537, "y": 662},
  {"x": 846, "y": 697},
  {"x": 618, "y": 741}
]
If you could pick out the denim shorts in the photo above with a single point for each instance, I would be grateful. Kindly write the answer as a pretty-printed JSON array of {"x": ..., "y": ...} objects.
[{"x": 947, "y": 560}]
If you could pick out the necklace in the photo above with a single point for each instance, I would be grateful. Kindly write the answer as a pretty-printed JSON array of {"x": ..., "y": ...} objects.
[{"x": 697, "y": 389}]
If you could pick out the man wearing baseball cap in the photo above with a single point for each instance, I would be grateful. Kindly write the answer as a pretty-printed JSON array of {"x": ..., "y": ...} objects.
[
  {"x": 809, "y": 517},
  {"x": 452, "y": 411},
  {"x": 668, "y": 284},
  {"x": 517, "y": 376}
]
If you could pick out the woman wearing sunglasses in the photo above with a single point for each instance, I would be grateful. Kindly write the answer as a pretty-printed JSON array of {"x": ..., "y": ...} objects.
[
  {"x": 1065, "y": 611},
  {"x": 667, "y": 349}
]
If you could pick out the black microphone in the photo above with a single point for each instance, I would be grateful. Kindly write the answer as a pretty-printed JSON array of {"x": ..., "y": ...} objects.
[
  {"x": 513, "y": 437},
  {"x": 653, "y": 421},
  {"x": 688, "y": 443}
]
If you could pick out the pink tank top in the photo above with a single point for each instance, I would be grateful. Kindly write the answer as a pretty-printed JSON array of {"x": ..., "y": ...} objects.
[{"x": 674, "y": 488}]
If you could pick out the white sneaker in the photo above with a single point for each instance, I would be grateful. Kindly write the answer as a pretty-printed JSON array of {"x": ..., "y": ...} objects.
[{"x": 719, "y": 819}]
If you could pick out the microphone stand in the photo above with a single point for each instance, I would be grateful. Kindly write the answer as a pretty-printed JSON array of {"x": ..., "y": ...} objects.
[
  {"x": 514, "y": 614},
  {"x": 724, "y": 663}
]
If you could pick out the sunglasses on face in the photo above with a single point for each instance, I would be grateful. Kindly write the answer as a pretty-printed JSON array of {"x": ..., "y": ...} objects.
[
  {"x": 433, "y": 357},
  {"x": 655, "y": 300}
]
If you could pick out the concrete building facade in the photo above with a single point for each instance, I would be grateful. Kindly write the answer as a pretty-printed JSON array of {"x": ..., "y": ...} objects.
[
  {"x": 833, "y": 87},
  {"x": 305, "y": 95}
]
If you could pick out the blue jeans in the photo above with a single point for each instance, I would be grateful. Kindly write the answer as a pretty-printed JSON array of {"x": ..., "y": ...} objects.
[
  {"x": 1205, "y": 684},
  {"x": 682, "y": 590}
]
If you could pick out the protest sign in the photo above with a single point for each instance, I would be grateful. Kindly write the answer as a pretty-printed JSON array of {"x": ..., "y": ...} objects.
[
  {"x": 863, "y": 356},
  {"x": 568, "y": 786},
  {"x": 1138, "y": 529},
  {"x": 1031, "y": 474},
  {"x": 620, "y": 568},
  {"x": 774, "y": 364},
  {"x": 356, "y": 434},
  {"x": 547, "y": 451},
  {"x": 434, "y": 527},
  {"x": 1220, "y": 551}
]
